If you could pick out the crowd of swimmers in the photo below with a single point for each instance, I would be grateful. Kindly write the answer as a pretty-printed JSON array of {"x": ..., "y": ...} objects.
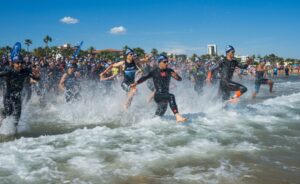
[{"x": 21, "y": 76}]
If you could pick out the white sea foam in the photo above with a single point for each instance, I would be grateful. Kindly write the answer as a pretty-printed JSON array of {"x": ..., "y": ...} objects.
[{"x": 215, "y": 146}]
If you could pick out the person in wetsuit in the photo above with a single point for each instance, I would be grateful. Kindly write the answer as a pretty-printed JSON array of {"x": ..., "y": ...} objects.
[
  {"x": 259, "y": 78},
  {"x": 161, "y": 79},
  {"x": 287, "y": 71},
  {"x": 130, "y": 69},
  {"x": 226, "y": 68},
  {"x": 53, "y": 77},
  {"x": 198, "y": 75},
  {"x": 27, "y": 89},
  {"x": 15, "y": 78},
  {"x": 70, "y": 84}
]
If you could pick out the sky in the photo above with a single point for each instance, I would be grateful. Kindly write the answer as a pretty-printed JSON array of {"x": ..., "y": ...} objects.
[{"x": 257, "y": 27}]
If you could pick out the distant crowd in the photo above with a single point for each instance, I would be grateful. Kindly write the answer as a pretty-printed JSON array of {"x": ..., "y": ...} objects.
[{"x": 20, "y": 76}]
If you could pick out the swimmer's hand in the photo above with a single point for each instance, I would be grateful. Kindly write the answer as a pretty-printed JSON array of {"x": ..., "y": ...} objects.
[{"x": 133, "y": 85}]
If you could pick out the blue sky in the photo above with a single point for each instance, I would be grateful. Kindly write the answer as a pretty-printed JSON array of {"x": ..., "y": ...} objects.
[{"x": 182, "y": 26}]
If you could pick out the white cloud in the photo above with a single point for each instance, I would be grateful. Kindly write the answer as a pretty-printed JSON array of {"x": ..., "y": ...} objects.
[
  {"x": 69, "y": 20},
  {"x": 118, "y": 30}
]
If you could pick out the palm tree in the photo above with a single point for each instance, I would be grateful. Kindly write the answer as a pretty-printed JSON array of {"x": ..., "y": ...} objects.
[
  {"x": 28, "y": 42},
  {"x": 154, "y": 52},
  {"x": 46, "y": 40},
  {"x": 91, "y": 49},
  {"x": 8, "y": 49}
]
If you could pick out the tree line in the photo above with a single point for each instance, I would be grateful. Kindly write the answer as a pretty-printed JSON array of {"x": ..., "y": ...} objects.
[{"x": 68, "y": 51}]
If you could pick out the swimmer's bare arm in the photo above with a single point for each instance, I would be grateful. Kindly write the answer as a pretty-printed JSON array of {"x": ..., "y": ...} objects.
[
  {"x": 102, "y": 78},
  {"x": 61, "y": 84},
  {"x": 121, "y": 63}
]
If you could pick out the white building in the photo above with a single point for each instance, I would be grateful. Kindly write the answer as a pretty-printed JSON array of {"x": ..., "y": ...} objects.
[
  {"x": 66, "y": 45},
  {"x": 243, "y": 58},
  {"x": 212, "y": 49}
]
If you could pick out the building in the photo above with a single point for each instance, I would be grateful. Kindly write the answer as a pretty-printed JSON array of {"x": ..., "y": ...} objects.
[
  {"x": 242, "y": 58},
  {"x": 64, "y": 46},
  {"x": 107, "y": 50},
  {"x": 212, "y": 49}
]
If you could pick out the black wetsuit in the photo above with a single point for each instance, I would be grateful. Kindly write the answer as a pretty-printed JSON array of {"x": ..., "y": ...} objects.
[
  {"x": 129, "y": 75},
  {"x": 226, "y": 69},
  {"x": 161, "y": 80},
  {"x": 53, "y": 78},
  {"x": 72, "y": 88},
  {"x": 199, "y": 74},
  {"x": 3, "y": 65},
  {"x": 146, "y": 70},
  {"x": 287, "y": 71},
  {"x": 27, "y": 90},
  {"x": 215, "y": 74},
  {"x": 259, "y": 80},
  {"x": 14, "y": 85}
]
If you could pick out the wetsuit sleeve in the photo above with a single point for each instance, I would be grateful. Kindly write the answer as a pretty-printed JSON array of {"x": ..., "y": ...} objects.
[
  {"x": 30, "y": 74},
  {"x": 4, "y": 73},
  {"x": 241, "y": 66},
  {"x": 175, "y": 75},
  {"x": 214, "y": 67},
  {"x": 144, "y": 78}
]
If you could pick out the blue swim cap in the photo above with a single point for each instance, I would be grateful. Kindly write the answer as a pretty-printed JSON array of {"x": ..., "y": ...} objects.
[
  {"x": 129, "y": 51},
  {"x": 162, "y": 58},
  {"x": 229, "y": 48}
]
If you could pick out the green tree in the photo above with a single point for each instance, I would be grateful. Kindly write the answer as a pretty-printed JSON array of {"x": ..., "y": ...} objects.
[
  {"x": 281, "y": 62},
  {"x": 27, "y": 42},
  {"x": 54, "y": 50},
  {"x": 8, "y": 49},
  {"x": 154, "y": 52},
  {"x": 219, "y": 57},
  {"x": 67, "y": 52},
  {"x": 139, "y": 51},
  {"x": 46, "y": 40},
  {"x": 163, "y": 54},
  {"x": 2, "y": 51},
  {"x": 193, "y": 57},
  {"x": 39, "y": 52},
  {"x": 91, "y": 49},
  {"x": 125, "y": 48},
  {"x": 23, "y": 52},
  {"x": 205, "y": 56},
  {"x": 181, "y": 58}
]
